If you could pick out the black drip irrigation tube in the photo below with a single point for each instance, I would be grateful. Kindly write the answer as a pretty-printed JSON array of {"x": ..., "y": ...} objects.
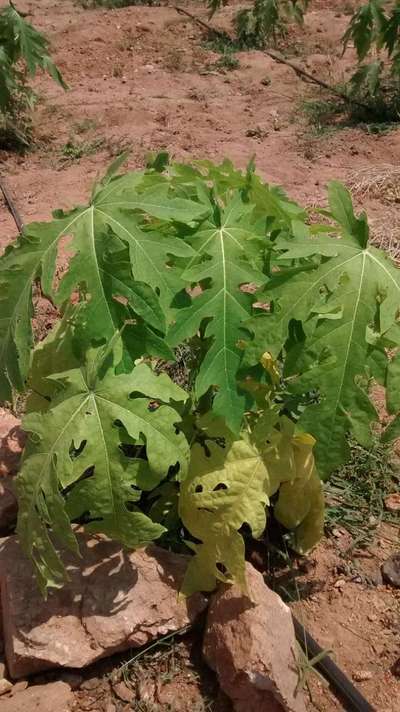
[{"x": 348, "y": 694}]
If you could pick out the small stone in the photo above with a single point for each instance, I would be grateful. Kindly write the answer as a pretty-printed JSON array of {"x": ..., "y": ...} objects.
[
  {"x": 376, "y": 578},
  {"x": 391, "y": 570},
  {"x": 5, "y": 686},
  {"x": 266, "y": 81},
  {"x": 90, "y": 684},
  {"x": 340, "y": 583},
  {"x": 123, "y": 692},
  {"x": 396, "y": 668},
  {"x": 362, "y": 675},
  {"x": 392, "y": 502},
  {"x": 53, "y": 697},
  {"x": 110, "y": 707},
  {"x": 19, "y": 687}
]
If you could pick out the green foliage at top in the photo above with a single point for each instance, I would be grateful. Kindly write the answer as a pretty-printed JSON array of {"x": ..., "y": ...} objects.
[
  {"x": 264, "y": 22},
  {"x": 287, "y": 322},
  {"x": 23, "y": 52},
  {"x": 374, "y": 31},
  {"x": 267, "y": 20}
]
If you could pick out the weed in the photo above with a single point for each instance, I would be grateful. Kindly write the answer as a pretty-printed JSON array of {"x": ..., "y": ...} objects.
[
  {"x": 332, "y": 112},
  {"x": 173, "y": 60},
  {"x": 74, "y": 150},
  {"x": 221, "y": 43},
  {"x": 84, "y": 126},
  {"x": 356, "y": 492},
  {"x": 226, "y": 63}
]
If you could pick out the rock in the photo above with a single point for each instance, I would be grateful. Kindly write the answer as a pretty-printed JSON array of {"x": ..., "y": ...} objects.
[
  {"x": 54, "y": 697},
  {"x": 392, "y": 502},
  {"x": 391, "y": 570},
  {"x": 91, "y": 684},
  {"x": 8, "y": 503},
  {"x": 110, "y": 707},
  {"x": 250, "y": 643},
  {"x": 5, "y": 686},
  {"x": 362, "y": 675},
  {"x": 115, "y": 600},
  {"x": 12, "y": 441},
  {"x": 19, "y": 687},
  {"x": 395, "y": 669},
  {"x": 123, "y": 692}
]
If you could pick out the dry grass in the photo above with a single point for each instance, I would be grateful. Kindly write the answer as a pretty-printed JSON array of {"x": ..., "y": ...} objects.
[
  {"x": 382, "y": 183},
  {"x": 385, "y": 232}
]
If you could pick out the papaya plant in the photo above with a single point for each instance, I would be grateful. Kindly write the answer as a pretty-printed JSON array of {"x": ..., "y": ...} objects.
[
  {"x": 23, "y": 51},
  {"x": 264, "y": 22},
  {"x": 283, "y": 324},
  {"x": 374, "y": 30}
]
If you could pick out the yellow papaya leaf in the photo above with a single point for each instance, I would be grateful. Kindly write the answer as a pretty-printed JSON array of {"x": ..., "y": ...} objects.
[
  {"x": 269, "y": 364},
  {"x": 229, "y": 486},
  {"x": 300, "y": 505},
  {"x": 226, "y": 488}
]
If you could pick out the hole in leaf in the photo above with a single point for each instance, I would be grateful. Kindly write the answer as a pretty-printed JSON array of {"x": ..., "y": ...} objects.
[
  {"x": 152, "y": 406},
  {"x": 198, "y": 489},
  {"x": 220, "y": 486},
  {"x": 245, "y": 530},
  {"x": 74, "y": 452},
  {"x": 135, "y": 394},
  {"x": 222, "y": 568},
  {"x": 132, "y": 451}
]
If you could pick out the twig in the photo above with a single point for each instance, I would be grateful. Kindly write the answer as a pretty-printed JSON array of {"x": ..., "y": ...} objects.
[
  {"x": 281, "y": 60},
  {"x": 11, "y": 205},
  {"x": 310, "y": 78},
  {"x": 201, "y": 23}
]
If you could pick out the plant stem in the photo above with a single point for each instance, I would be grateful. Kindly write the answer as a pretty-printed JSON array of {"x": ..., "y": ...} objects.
[
  {"x": 281, "y": 60},
  {"x": 11, "y": 205}
]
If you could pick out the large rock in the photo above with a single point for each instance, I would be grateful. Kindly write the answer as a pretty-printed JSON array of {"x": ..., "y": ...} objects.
[
  {"x": 115, "y": 600},
  {"x": 12, "y": 441},
  {"x": 250, "y": 643},
  {"x": 8, "y": 504},
  {"x": 54, "y": 697}
]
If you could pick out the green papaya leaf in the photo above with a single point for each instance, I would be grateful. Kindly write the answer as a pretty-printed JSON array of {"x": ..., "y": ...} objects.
[
  {"x": 120, "y": 270},
  {"x": 78, "y": 446},
  {"x": 227, "y": 249},
  {"x": 344, "y": 289}
]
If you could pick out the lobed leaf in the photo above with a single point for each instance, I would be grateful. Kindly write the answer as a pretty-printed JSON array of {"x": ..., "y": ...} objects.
[
  {"x": 79, "y": 442},
  {"x": 228, "y": 487}
]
